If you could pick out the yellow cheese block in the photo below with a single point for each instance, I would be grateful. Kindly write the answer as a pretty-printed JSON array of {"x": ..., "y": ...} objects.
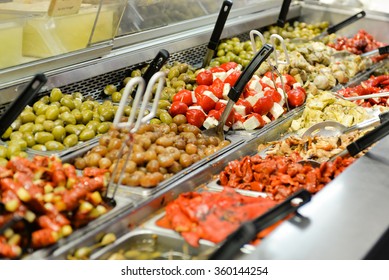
[
  {"x": 48, "y": 36},
  {"x": 11, "y": 44}
]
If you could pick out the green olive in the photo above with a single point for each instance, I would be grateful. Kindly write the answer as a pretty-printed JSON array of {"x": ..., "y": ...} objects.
[
  {"x": 80, "y": 126},
  {"x": 107, "y": 115},
  {"x": 155, "y": 121},
  {"x": 116, "y": 97},
  {"x": 54, "y": 146},
  {"x": 87, "y": 105},
  {"x": 68, "y": 102},
  {"x": 87, "y": 134},
  {"x": 70, "y": 140},
  {"x": 42, "y": 137},
  {"x": 48, "y": 125},
  {"x": 39, "y": 147},
  {"x": 67, "y": 118},
  {"x": 13, "y": 150},
  {"x": 3, "y": 152},
  {"x": 174, "y": 72},
  {"x": 52, "y": 112},
  {"x": 16, "y": 135},
  {"x": 136, "y": 73},
  {"x": 55, "y": 95},
  {"x": 20, "y": 142},
  {"x": 59, "y": 133},
  {"x": 109, "y": 89},
  {"x": 41, "y": 110},
  {"x": 127, "y": 110},
  {"x": 40, "y": 119},
  {"x": 163, "y": 104},
  {"x": 77, "y": 95},
  {"x": 92, "y": 125},
  {"x": 103, "y": 127},
  {"x": 59, "y": 122},
  {"x": 29, "y": 138},
  {"x": 38, "y": 127},
  {"x": 45, "y": 99},
  {"x": 7, "y": 133},
  {"x": 27, "y": 116},
  {"x": 166, "y": 118},
  {"x": 64, "y": 109},
  {"x": 77, "y": 115},
  {"x": 77, "y": 103},
  {"x": 72, "y": 129},
  {"x": 87, "y": 116},
  {"x": 3, "y": 161},
  {"x": 27, "y": 127}
]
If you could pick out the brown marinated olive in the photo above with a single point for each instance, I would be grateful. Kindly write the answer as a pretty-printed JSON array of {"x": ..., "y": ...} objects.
[
  {"x": 80, "y": 163},
  {"x": 185, "y": 160},
  {"x": 151, "y": 179},
  {"x": 92, "y": 159},
  {"x": 165, "y": 160},
  {"x": 152, "y": 166},
  {"x": 179, "y": 119},
  {"x": 130, "y": 166},
  {"x": 191, "y": 149},
  {"x": 105, "y": 163},
  {"x": 114, "y": 144},
  {"x": 102, "y": 150}
]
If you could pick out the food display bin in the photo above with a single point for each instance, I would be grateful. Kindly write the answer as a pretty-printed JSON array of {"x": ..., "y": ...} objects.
[{"x": 329, "y": 226}]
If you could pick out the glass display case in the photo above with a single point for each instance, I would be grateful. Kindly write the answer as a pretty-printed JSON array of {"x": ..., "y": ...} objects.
[{"x": 42, "y": 29}]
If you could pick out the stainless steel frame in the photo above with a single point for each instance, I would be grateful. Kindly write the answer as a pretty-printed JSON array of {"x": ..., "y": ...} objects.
[{"x": 343, "y": 221}]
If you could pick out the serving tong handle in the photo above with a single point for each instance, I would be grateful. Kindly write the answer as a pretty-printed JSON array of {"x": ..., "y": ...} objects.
[
  {"x": 133, "y": 125},
  {"x": 249, "y": 230},
  {"x": 155, "y": 65},
  {"x": 283, "y": 13},
  {"x": 18, "y": 105},
  {"x": 274, "y": 68}
]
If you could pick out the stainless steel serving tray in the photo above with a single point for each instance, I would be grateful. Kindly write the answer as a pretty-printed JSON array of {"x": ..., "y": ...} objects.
[
  {"x": 122, "y": 205},
  {"x": 124, "y": 190},
  {"x": 171, "y": 246}
]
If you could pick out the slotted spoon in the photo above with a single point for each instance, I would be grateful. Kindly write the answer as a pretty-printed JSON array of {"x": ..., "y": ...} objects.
[{"x": 237, "y": 89}]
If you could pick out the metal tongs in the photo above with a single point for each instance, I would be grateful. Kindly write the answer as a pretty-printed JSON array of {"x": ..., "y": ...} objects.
[
  {"x": 277, "y": 61},
  {"x": 131, "y": 124},
  {"x": 249, "y": 230}
]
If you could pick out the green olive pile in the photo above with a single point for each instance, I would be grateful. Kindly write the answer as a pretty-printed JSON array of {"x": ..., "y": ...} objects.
[
  {"x": 159, "y": 151},
  {"x": 242, "y": 52},
  {"x": 60, "y": 121}
]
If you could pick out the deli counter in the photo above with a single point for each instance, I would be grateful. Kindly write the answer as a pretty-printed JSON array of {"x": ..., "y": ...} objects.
[{"x": 92, "y": 55}]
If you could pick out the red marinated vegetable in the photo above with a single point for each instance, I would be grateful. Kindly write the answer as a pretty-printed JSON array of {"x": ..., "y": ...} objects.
[
  {"x": 212, "y": 215},
  {"x": 49, "y": 195},
  {"x": 280, "y": 176}
]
